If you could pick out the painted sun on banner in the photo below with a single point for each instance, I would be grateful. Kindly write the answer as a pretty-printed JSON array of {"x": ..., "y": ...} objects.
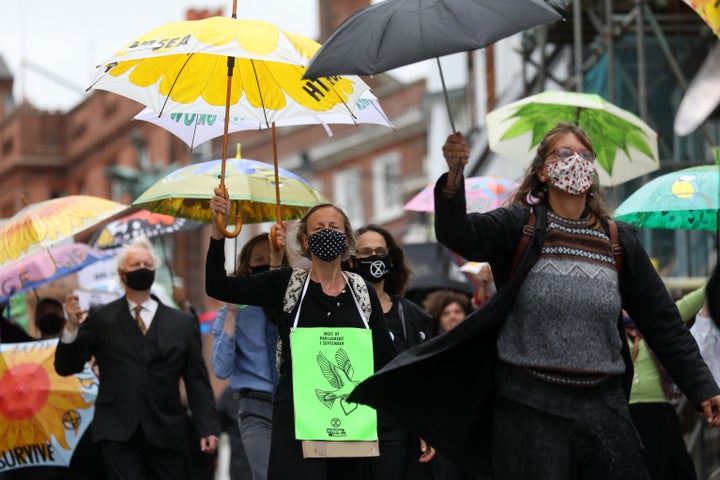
[{"x": 43, "y": 414}]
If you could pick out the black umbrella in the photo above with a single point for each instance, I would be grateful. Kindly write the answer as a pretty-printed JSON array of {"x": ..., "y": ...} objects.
[{"x": 395, "y": 33}]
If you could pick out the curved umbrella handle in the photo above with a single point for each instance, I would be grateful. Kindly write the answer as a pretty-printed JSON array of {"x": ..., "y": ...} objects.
[
  {"x": 228, "y": 234},
  {"x": 273, "y": 238}
]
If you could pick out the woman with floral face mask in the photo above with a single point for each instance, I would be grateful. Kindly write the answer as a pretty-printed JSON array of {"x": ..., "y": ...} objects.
[
  {"x": 325, "y": 299},
  {"x": 544, "y": 361}
]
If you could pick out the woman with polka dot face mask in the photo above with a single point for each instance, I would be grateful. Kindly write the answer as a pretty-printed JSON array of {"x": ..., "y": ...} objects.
[{"x": 321, "y": 297}]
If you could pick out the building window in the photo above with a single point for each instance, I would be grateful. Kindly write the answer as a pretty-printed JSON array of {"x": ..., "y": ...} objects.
[
  {"x": 346, "y": 186},
  {"x": 387, "y": 187}
]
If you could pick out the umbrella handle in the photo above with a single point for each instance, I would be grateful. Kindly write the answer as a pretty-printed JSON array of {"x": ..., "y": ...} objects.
[
  {"x": 273, "y": 238},
  {"x": 228, "y": 234}
]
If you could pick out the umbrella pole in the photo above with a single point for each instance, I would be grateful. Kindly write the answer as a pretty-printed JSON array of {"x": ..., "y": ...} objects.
[
  {"x": 238, "y": 218},
  {"x": 278, "y": 208},
  {"x": 445, "y": 94},
  {"x": 455, "y": 180}
]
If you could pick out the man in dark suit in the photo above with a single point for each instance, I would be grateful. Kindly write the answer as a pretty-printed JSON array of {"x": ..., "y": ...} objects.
[{"x": 142, "y": 348}]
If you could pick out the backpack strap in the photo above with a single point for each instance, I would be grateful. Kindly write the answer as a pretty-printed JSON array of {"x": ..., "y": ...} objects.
[
  {"x": 615, "y": 246},
  {"x": 528, "y": 233}
]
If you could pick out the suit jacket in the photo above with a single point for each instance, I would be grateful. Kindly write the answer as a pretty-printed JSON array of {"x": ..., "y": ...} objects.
[{"x": 140, "y": 374}]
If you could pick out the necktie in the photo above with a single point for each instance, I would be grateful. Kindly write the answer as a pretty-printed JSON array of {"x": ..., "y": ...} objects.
[{"x": 139, "y": 319}]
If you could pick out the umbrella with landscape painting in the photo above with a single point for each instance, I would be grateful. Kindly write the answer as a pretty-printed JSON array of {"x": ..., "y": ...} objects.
[
  {"x": 186, "y": 192},
  {"x": 230, "y": 67},
  {"x": 46, "y": 266},
  {"x": 688, "y": 199}
]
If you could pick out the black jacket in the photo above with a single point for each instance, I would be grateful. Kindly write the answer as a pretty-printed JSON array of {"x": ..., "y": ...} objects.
[
  {"x": 452, "y": 407},
  {"x": 139, "y": 376}
]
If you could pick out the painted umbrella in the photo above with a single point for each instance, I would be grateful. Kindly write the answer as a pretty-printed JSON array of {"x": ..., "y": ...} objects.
[
  {"x": 141, "y": 223},
  {"x": 229, "y": 67},
  {"x": 45, "y": 266},
  {"x": 482, "y": 195},
  {"x": 626, "y": 147},
  {"x": 45, "y": 224},
  {"x": 187, "y": 192},
  {"x": 687, "y": 199}
]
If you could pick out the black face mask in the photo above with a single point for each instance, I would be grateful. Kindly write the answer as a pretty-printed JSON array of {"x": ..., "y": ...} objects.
[
  {"x": 373, "y": 268},
  {"x": 50, "y": 324},
  {"x": 140, "y": 279},
  {"x": 259, "y": 269}
]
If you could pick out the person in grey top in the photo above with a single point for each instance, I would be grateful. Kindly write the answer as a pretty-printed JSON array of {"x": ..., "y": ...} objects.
[{"x": 533, "y": 384}]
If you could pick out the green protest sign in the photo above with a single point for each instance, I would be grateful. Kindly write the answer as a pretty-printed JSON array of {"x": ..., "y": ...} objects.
[{"x": 327, "y": 365}]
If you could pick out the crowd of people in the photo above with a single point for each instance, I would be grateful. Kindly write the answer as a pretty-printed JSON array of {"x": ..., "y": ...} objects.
[{"x": 562, "y": 363}]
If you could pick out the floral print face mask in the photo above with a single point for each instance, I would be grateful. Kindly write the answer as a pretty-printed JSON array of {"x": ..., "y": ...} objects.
[{"x": 572, "y": 174}]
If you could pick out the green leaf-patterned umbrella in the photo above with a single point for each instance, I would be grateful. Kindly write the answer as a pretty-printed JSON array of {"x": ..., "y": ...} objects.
[{"x": 626, "y": 147}]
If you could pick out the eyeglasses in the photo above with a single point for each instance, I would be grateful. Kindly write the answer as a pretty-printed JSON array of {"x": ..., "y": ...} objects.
[
  {"x": 367, "y": 251},
  {"x": 565, "y": 152}
]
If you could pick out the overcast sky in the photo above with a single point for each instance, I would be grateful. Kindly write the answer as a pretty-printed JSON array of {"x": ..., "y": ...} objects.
[{"x": 61, "y": 41}]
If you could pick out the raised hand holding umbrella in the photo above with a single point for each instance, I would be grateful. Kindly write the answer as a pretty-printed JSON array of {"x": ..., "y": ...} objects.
[{"x": 230, "y": 67}]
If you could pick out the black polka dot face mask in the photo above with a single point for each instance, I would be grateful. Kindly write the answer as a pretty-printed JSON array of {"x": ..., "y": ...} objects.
[{"x": 327, "y": 244}]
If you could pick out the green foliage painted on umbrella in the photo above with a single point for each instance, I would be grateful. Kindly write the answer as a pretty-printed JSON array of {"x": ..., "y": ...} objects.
[{"x": 608, "y": 131}]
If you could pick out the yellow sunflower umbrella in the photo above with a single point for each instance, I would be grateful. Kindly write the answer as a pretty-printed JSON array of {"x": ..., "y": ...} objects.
[
  {"x": 235, "y": 68},
  {"x": 41, "y": 225}
]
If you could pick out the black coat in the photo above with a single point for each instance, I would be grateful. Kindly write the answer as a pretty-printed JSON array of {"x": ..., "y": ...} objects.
[
  {"x": 451, "y": 408},
  {"x": 139, "y": 376}
]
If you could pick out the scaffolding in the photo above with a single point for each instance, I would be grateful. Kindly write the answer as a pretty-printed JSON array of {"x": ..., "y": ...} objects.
[{"x": 640, "y": 55}]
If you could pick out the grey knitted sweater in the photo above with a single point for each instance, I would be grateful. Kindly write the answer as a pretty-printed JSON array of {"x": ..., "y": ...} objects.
[{"x": 565, "y": 315}]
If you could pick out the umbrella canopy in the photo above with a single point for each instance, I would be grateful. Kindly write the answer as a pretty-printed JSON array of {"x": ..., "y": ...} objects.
[
  {"x": 482, "y": 193},
  {"x": 44, "y": 224},
  {"x": 702, "y": 96},
  {"x": 183, "y": 67},
  {"x": 395, "y": 33},
  {"x": 187, "y": 192},
  {"x": 45, "y": 266},
  {"x": 141, "y": 223},
  {"x": 244, "y": 68},
  {"x": 195, "y": 128},
  {"x": 43, "y": 414},
  {"x": 626, "y": 147},
  {"x": 687, "y": 199}
]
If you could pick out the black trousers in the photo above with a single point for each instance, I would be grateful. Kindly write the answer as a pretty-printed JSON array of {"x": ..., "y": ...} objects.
[
  {"x": 138, "y": 460},
  {"x": 666, "y": 454}
]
